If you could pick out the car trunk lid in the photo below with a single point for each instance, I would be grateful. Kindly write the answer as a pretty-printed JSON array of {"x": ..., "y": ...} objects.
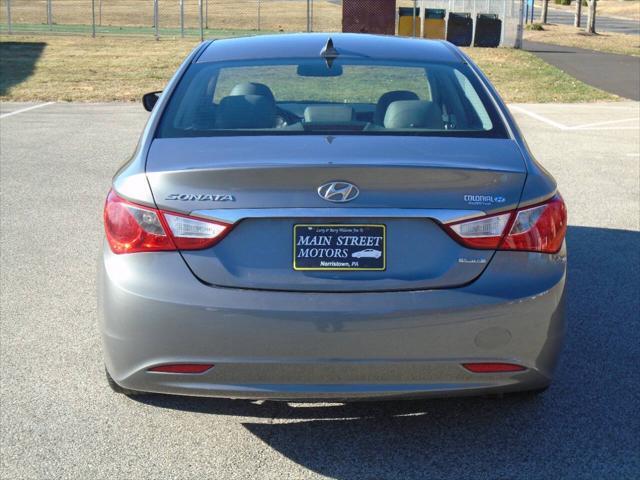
[{"x": 268, "y": 185}]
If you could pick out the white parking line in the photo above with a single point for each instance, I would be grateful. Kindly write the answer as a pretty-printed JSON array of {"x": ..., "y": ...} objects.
[
  {"x": 539, "y": 117},
  {"x": 586, "y": 126},
  {"x": 599, "y": 129},
  {"x": 610, "y": 122},
  {"x": 33, "y": 107}
]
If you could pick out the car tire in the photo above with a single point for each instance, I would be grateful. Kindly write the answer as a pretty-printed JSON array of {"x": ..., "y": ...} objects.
[{"x": 117, "y": 388}]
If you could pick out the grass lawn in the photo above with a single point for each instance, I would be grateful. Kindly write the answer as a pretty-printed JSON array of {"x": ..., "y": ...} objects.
[
  {"x": 79, "y": 68},
  {"x": 576, "y": 37},
  {"x": 137, "y": 15}
]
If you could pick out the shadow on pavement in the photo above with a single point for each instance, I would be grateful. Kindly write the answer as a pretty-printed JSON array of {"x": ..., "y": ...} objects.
[
  {"x": 18, "y": 61},
  {"x": 584, "y": 426}
]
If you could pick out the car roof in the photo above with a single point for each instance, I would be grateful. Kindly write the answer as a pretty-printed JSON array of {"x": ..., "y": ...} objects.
[{"x": 309, "y": 45}]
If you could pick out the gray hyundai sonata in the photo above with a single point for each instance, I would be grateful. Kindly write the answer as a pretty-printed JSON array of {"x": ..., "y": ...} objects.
[{"x": 342, "y": 217}]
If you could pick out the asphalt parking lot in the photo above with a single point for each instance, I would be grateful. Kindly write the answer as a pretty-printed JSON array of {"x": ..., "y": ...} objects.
[{"x": 60, "y": 420}]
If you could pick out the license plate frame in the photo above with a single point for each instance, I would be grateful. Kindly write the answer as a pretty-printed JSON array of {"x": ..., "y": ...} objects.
[{"x": 370, "y": 256}]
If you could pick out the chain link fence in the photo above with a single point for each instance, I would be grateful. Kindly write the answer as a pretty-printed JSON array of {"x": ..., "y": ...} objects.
[{"x": 220, "y": 18}]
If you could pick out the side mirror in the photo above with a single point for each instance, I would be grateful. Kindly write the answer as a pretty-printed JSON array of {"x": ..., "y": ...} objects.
[{"x": 149, "y": 100}]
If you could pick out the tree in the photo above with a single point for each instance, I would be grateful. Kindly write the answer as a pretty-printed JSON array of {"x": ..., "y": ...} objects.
[
  {"x": 545, "y": 10},
  {"x": 578, "y": 20},
  {"x": 591, "y": 20}
]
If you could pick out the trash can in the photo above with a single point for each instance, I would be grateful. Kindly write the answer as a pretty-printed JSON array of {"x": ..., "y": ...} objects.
[
  {"x": 405, "y": 22},
  {"x": 488, "y": 30},
  {"x": 460, "y": 29},
  {"x": 434, "y": 26}
]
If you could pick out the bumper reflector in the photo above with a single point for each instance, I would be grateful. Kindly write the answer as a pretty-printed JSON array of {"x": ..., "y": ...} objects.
[
  {"x": 182, "y": 368},
  {"x": 493, "y": 367}
]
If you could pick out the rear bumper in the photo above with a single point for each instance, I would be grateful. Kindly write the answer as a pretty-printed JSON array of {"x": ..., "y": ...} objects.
[{"x": 288, "y": 345}]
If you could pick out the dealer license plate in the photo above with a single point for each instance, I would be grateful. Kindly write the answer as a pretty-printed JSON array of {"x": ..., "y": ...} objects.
[{"x": 339, "y": 247}]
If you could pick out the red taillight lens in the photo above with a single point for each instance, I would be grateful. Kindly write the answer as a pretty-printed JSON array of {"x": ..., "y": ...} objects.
[
  {"x": 493, "y": 367},
  {"x": 182, "y": 368},
  {"x": 540, "y": 228},
  {"x": 132, "y": 228}
]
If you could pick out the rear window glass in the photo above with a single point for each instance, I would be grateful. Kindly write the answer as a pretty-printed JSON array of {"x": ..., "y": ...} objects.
[
  {"x": 353, "y": 85},
  {"x": 310, "y": 96}
]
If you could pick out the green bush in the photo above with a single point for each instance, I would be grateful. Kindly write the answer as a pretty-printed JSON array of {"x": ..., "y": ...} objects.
[{"x": 563, "y": 2}]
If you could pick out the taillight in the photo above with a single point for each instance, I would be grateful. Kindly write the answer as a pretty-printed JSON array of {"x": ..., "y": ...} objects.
[
  {"x": 538, "y": 228},
  {"x": 132, "y": 228},
  {"x": 193, "y": 233},
  {"x": 484, "y": 233}
]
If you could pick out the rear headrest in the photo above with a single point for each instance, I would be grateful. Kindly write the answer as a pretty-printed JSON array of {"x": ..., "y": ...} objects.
[
  {"x": 329, "y": 113},
  {"x": 246, "y": 111},
  {"x": 414, "y": 114},
  {"x": 386, "y": 99},
  {"x": 252, "y": 88}
]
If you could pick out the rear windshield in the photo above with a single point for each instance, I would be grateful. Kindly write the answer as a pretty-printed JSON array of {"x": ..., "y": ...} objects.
[{"x": 312, "y": 96}]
